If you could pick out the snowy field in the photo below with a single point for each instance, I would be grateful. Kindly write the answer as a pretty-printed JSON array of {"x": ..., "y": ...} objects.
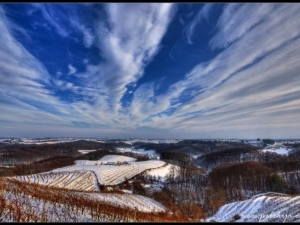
[
  {"x": 85, "y": 151},
  {"x": 161, "y": 172},
  {"x": 41, "y": 209},
  {"x": 281, "y": 150},
  {"x": 142, "y": 203},
  {"x": 116, "y": 158},
  {"x": 84, "y": 177},
  {"x": 74, "y": 180},
  {"x": 36, "y": 211},
  {"x": 261, "y": 208},
  {"x": 85, "y": 174},
  {"x": 151, "y": 153}
]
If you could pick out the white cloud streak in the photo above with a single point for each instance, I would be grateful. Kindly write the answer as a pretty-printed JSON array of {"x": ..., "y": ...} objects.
[
  {"x": 253, "y": 84},
  {"x": 72, "y": 69},
  {"x": 128, "y": 45},
  {"x": 24, "y": 95},
  {"x": 242, "y": 82},
  {"x": 202, "y": 14},
  {"x": 52, "y": 17}
]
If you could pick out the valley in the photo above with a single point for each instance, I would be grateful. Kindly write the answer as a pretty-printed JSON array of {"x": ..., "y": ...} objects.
[{"x": 149, "y": 181}]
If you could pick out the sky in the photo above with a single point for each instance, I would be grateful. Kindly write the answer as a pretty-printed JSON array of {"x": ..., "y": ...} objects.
[{"x": 150, "y": 70}]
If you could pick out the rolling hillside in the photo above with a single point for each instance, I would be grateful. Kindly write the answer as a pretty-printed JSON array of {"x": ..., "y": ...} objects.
[
  {"x": 270, "y": 207},
  {"x": 74, "y": 180},
  {"x": 122, "y": 187},
  {"x": 114, "y": 174},
  {"x": 28, "y": 202},
  {"x": 86, "y": 175}
]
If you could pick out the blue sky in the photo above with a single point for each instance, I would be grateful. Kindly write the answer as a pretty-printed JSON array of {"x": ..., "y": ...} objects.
[{"x": 150, "y": 70}]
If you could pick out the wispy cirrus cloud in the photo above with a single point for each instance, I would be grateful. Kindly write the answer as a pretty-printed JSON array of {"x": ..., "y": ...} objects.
[
  {"x": 127, "y": 47},
  {"x": 126, "y": 53},
  {"x": 242, "y": 82},
  {"x": 234, "y": 22},
  {"x": 202, "y": 14},
  {"x": 85, "y": 27},
  {"x": 53, "y": 17},
  {"x": 65, "y": 20},
  {"x": 72, "y": 69},
  {"x": 250, "y": 85},
  {"x": 16, "y": 63},
  {"x": 25, "y": 96}
]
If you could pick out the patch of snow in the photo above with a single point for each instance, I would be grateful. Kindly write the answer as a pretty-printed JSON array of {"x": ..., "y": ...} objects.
[
  {"x": 278, "y": 150},
  {"x": 116, "y": 158},
  {"x": 267, "y": 207},
  {"x": 86, "y": 151},
  {"x": 161, "y": 172},
  {"x": 141, "y": 203},
  {"x": 140, "y": 151},
  {"x": 126, "y": 191}
]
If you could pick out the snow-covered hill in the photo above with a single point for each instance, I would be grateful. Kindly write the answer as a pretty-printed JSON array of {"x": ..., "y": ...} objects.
[
  {"x": 85, "y": 174},
  {"x": 109, "y": 172},
  {"x": 133, "y": 201},
  {"x": 116, "y": 158},
  {"x": 269, "y": 207},
  {"x": 161, "y": 172},
  {"x": 140, "y": 151},
  {"x": 23, "y": 202},
  {"x": 73, "y": 180},
  {"x": 278, "y": 148}
]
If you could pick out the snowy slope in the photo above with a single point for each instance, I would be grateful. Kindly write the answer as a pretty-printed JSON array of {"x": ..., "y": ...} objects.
[
  {"x": 35, "y": 210},
  {"x": 142, "y": 203},
  {"x": 278, "y": 149},
  {"x": 22, "y": 206},
  {"x": 112, "y": 174},
  {"x": 161, "y": 172},
  {"x": 85, "y": 174},
  {"x": 261, "y": 208},
  {"x": 141, "y": 151},
  {"x": 116, "y": 158},
  {"x": 86, "y": 151},
  {"x": 74, "y": 180}
]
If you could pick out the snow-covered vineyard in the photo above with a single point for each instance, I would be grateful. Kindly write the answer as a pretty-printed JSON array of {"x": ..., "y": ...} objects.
[
  {"x": 23, "y": 202},
  {"x": 135, "y": 183},
  {"x": 85, "y": 174},
  {"x": 83, "y": 180},
  {"x": 261, "y": 208},
  {"x": 132, "y": 201},
  {"x": 75, "y": 180}
]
